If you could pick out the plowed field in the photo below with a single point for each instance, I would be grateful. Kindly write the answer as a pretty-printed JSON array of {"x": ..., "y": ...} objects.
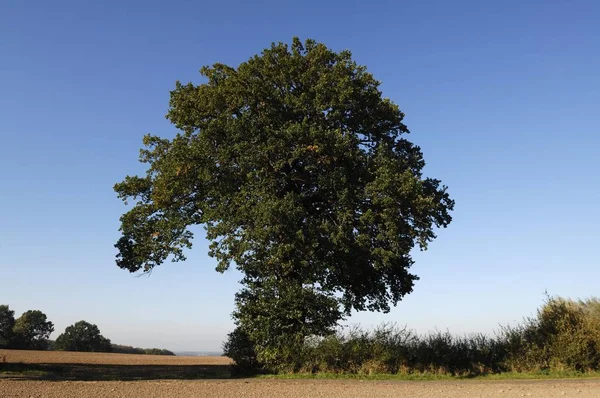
[{"x": 65, "y": 375}]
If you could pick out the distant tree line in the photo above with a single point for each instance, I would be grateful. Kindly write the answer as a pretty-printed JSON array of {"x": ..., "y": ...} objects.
[
  {"x": 32, "y": 330},
  {"x": 127, "y": 349}
]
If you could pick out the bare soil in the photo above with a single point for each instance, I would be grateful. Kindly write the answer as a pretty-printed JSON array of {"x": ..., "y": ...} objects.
[
  {"x": 63, "y": 357},
  {"x": 90, "y": 366},
  {"x": 297, "y": 388},
  {"x": 142, "y": 382}
]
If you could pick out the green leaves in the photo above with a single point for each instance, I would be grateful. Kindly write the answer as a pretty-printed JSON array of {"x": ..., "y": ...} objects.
[
  {"x": 297, "y": 168},
  {"x": 32, "y": 330},
  {"x": 7, "y": 322},
  {"x": 83, "y": 336}
]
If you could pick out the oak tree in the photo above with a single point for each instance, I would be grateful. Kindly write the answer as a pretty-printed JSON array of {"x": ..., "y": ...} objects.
[{"x": 301, "y": 173}]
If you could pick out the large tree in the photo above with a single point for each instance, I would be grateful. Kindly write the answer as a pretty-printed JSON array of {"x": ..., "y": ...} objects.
[
  {"x": 32, "y": 331},
  {"x": 7, "y": 322},
  {"x": 83, "y": 336},
  {"x": 299, "y": 171}
]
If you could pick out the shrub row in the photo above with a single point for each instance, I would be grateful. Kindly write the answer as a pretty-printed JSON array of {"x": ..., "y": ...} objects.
[{"x": 563, "y": 335}]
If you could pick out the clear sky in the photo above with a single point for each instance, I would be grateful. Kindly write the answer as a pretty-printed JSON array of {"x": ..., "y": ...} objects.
[{"x": 502, "y": 96}]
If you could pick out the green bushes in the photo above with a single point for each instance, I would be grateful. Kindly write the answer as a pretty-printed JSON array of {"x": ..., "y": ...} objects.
[
  {"x": 391, "y": 350},
  {"x": 239, "y": 348},
  {"x": 563, "y": 336}
]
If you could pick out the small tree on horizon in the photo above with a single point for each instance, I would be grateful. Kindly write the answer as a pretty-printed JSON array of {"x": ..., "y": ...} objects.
[
  {"x": 32, "y": 331},
  {"x": 82, "y": 336}
]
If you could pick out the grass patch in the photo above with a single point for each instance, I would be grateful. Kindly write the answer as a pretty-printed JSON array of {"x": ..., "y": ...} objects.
[
  {"x": 21, "y": 369},
  {"x": 540, "y": 375},
  {"x": 350, "y": 376},
  {"x": 508, "y": 376},
  {"x": 125, "y": 372}
]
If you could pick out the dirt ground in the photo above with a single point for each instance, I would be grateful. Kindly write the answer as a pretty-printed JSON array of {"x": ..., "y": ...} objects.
[
  {"x": 128, "y": 376},
  {"x": 84, "y": 366},
  {"x": 97, "y": 358},
  {"x": 298, "y": 388}
]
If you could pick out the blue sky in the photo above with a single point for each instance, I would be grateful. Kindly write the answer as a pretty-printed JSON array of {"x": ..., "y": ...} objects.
[{"x": 502, "y": 97}]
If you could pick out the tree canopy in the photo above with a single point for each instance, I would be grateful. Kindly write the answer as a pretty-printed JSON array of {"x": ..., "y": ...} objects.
[
  {"x": 7, "y": 323},
  {"x": 32, "y": 331},
  {"x": 82, "y": 336},
  {"x": 300, "y": 172}
]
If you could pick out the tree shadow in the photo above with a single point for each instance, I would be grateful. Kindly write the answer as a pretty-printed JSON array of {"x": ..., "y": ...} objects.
[{"x": 99, "y": 372}]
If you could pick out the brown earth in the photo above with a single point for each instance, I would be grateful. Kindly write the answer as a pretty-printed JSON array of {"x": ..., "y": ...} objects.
[
  {"x": 63, "y": 357},
  {"x": 298, "y": 388},
  {"x": 91, "y": 366},
  {"x": 136, "y": 376}
]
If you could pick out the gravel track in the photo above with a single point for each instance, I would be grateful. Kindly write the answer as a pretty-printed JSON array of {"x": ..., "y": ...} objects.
[{"x": 300, "y": 388}]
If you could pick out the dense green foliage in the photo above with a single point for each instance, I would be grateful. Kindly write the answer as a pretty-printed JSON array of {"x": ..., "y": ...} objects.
[
  {"x": 31, "y": 331},
  {"x": 157, "y": 351},
  {"x": 127, "y": 349},
  {"x": 299, "y": 171},
  {"x": 240, "y": 348},
  {"x": 390, "y": 350},
  {"x": 82, "y": 336},
  {"x": 7, "y": 323},
  {"x": 564, "y": 336}
]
